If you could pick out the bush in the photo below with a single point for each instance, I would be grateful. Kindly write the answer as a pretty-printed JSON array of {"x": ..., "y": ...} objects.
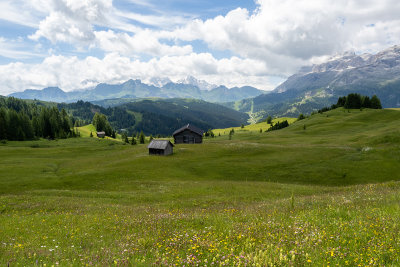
[
  {"x": 301, "y": 117},
  {"x": 278, "y": 126}
]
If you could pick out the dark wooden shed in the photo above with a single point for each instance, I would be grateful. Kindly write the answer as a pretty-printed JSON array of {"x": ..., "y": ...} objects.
[
  {"x": 188, "y": 134},
  {"x": 101, "y": 134},
  {"x": 160, "y": 147}
]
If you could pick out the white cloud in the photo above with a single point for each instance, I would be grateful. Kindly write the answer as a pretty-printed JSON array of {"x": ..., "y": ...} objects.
[
  {"x": 273, "y": 40},
  {"x": 143, "y": 42},
  {"x": 158, "y": 20},
  {"x": 18, "y": 12},
  {"x": 16, "y": 49},
  {"x": 289, "y": 33},
  {"x": 71, "y": 73},
  {"x": 284, "y": 34},
  {"x": 72, "y": 21}
]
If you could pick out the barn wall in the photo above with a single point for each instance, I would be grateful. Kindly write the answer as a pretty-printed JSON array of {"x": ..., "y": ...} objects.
[
  {"x": 168, "y": 150},
  {"x": 188, "y": 137}
]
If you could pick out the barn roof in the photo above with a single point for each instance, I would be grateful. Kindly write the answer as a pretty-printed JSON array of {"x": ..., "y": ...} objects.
[
  {"x": 190, "y": 128},
  {"x": 159, "y": 144}
]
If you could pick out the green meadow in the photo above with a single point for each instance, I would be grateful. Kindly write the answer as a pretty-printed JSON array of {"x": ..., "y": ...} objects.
[
  {"x": 256, "y": 127},
  {"x": 324, "y": 191}
]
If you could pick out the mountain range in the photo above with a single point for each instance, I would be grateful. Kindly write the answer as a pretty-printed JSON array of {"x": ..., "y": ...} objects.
[
  {"x": 135, "y": 89},
  {"x": 320, "y": 85},
  {"x": 312, "y": 88}
]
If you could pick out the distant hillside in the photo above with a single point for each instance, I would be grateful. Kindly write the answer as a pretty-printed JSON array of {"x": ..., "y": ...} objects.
[
  {"x": 320, "y": 85},
  {"x": 53, "y": 94},
  {"x": 160, "y": 116},
  {"x": 135, "y": 89}
]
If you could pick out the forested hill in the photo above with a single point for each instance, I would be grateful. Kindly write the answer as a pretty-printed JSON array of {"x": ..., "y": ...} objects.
[
  {"x": 160, "y": 116},
  {"x": 203, "y": 114},
  {"x": 27, "y": 119},
  {"x": 20, "y": 120}
]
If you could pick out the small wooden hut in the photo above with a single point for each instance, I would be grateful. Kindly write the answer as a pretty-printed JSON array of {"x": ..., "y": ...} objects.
[
  {"x": 160, "y": 147},
  {"x": 101, "y": 134}
]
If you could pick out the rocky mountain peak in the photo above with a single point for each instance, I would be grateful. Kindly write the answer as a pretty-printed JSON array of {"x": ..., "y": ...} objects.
[{"x": 201, "y": 84}]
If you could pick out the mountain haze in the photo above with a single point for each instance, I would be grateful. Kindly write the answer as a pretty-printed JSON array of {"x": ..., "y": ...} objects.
[{"x": 136, "y": 89}]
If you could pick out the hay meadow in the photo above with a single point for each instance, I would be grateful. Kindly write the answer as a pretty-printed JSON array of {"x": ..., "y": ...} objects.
[{"x": 324, "y": 191}]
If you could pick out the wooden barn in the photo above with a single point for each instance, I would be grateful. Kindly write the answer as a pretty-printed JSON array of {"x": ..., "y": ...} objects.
[
  {"x": 160, "y": 147},
  {"x": 101, "y": 134},
  {"x": 188, "y": 134}
]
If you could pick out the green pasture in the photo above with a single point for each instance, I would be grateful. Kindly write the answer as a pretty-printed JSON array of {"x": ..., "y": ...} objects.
[
  {"x": 87, "y": 129},
  {"x": 323, "y": 192},
  {"x": 253, "y": 127}
]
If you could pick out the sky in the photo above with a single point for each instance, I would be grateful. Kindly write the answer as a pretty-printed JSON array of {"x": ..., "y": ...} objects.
[{"x": 76, "y": 44}]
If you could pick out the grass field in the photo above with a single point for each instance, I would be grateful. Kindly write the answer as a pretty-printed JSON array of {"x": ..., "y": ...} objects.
[
  {"x": 87, "y": 129},
  {"x": 252, "y": 127},
  {"x": 327, "y": 194}
]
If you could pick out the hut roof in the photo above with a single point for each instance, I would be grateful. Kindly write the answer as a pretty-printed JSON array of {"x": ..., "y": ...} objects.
[
  {"x": 101, "y": 133},
  {"x": 190, "y": 128},
  {"x": 159, "y": 144}
]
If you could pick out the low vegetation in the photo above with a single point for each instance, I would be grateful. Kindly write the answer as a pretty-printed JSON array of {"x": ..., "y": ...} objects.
[{"x": 327, "y": 195}]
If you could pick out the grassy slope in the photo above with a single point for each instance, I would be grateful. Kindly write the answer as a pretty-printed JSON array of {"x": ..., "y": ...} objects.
[
  {"x": 293, "y": 196},
  {"x": 253, "y": 127},
  {"x": 86, "y": 130}
]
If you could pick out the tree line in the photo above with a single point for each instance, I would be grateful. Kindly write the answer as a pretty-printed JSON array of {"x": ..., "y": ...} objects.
[
  {"x": 355, "y": 101},
  {"x": 278, "y": 126},
  {"x": 101, "y": 124},
  {"x": 84, "y": 113},
  {"x": 20, "y": 121}
]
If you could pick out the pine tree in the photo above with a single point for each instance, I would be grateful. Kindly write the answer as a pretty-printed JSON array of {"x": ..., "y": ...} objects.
[
  {"x": 13, "y": 125},
  {"x": 376, "y": 102},
  {"x": 341, "y": 101},
  {"x": 141, "y": 138},
  {"x": 353, "y": 101},
  {"x": 91, "y": 134},
  {"x": 124, "y": 137},
  {"x": 366, "y": 102},
  {"x": 3, "y": 124},
  {"x": 133, "y": 141}
]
